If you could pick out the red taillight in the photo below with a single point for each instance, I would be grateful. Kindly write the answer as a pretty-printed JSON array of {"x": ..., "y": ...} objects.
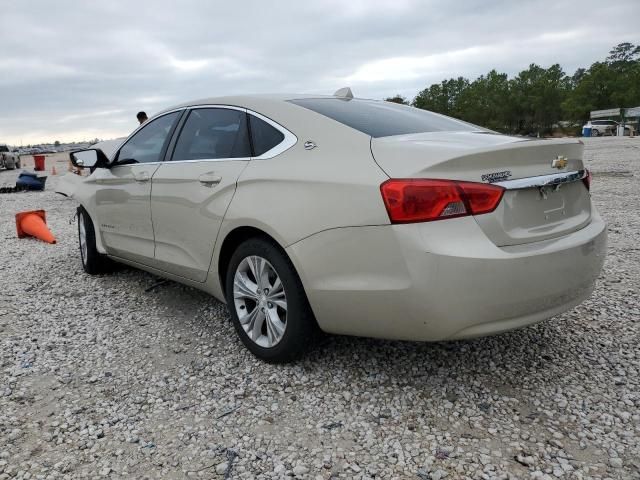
[
  {"x": 418, "y": 200},
  {"x": 587, "y": 180}
]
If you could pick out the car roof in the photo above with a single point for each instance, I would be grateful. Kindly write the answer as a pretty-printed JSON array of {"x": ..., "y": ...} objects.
[{"x": 253, "y": 101}]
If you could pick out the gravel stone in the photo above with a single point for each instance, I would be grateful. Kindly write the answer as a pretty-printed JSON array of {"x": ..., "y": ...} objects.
[
  {"x": 300, "y": 470},
  {"x": 99, "y": 377},
  {"x": 615, "y": 462}
]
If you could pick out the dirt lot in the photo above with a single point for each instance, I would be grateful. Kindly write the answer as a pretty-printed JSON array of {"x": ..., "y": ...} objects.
[{"x": 100, "y": 377}]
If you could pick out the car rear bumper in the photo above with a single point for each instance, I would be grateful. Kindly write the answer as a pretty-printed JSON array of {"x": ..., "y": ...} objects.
[{"x": 442, "y": 280}]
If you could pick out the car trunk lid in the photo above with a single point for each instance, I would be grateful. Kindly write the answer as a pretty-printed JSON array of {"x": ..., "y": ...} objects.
[{"x": 527, "y": 212}]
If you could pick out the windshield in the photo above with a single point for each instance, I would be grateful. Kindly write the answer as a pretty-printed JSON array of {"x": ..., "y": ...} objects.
[{"x": 383, "y": 119}]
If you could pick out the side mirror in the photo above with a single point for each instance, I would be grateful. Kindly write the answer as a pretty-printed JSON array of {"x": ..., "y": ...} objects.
[{"x": 91, "y": 158}]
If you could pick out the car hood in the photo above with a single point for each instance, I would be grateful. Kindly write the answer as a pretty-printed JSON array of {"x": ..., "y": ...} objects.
[{"x": 67, "y": 184}]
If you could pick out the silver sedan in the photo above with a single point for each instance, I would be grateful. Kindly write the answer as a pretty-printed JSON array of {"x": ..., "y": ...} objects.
[{"x": 345, "y": 215}]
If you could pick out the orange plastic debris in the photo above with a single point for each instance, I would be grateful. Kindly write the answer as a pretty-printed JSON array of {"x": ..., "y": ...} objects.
[{"x": 33, "y": 224}]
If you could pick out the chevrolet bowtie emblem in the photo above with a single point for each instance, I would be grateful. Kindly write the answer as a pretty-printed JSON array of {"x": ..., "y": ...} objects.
[{"x": 559, "y": 162}]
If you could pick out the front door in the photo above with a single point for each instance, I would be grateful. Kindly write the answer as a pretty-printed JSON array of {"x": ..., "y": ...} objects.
[
  {"x": 191, "y": 193},
  {"x": 123, "y": 191}
]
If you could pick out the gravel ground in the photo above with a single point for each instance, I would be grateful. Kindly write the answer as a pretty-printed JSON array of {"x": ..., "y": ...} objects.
[{"x": 99, "y": 377}]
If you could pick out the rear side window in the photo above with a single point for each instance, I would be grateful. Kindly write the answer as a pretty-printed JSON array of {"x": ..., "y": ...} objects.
[
  {"x": 263, "y": 135},
  {"x": 213, "y": 133},
  {"x": 383, "y": 119}
]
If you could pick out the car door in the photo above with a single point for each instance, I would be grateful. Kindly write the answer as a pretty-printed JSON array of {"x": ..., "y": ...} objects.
[
  {"x": 123, "y": 191},
  {"x": 191, "y": 192}
]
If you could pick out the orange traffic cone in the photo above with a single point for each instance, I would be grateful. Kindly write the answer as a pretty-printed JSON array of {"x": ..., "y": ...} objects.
[
  {"x": 53, "y": 170},
  {"x": 33, "y": 224}
]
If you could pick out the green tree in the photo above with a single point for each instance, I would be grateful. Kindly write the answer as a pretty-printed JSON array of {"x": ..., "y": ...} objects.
[
  {"x": 593, "y": 92},
  {"x": 538, "y": 94},
  {"x": 442, "y": 97},
  {"x": 537, "y": 98},
  {"x": 614, "y": 83},
  {"x": 487, "y": 101},
  {"x": 624, "y": 61},
  {"x": 577, "y": 77},
  {"x": 624, "y": 52},
  {"x": 397, "y": 99}
]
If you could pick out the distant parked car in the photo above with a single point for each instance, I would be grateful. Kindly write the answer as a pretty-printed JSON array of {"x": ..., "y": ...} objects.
[
  {"x": 606, "y": 127},
  {"x": 8, "y": 159},
  {"x": 602, "y": 127}
]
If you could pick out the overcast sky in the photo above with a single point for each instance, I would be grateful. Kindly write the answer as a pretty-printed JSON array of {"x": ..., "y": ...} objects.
[{"x": 74, "y": 70}]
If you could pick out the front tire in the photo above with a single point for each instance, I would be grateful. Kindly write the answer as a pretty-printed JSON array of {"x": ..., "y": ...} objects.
[
  {"x": 595, "y": 133},
  {"x": 268, "y": 305},
  {"x": 93, "y": 262}
]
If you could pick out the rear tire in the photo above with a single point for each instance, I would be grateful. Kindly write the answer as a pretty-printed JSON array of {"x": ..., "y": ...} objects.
[
  {"x": 267, "y": 302},
  {"x": 93, "y": 262},
  {"x": 595, "y": 133}
]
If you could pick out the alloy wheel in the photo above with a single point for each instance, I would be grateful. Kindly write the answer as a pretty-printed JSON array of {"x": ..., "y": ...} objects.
[{"x": 260, "y": 301}]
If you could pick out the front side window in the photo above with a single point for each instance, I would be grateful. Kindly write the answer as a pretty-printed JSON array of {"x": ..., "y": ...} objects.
[
  {"x": 383, "y": 119},
  {"x": 213, "y": 133},
  {"x": 263, "y": 136},
  {"x": 149, "y": 142}
]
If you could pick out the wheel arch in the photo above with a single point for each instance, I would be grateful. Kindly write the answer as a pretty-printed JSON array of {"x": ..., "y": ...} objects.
[
  {"x": 242, "y": 233},
  {"x": 98, "y": 233},
  {"x": 231, "y": 241}
]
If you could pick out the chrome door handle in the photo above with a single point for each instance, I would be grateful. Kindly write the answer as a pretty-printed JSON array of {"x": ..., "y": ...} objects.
[
  {"x": 141, "y": 177},
  {"x": 209, "y": 179}
]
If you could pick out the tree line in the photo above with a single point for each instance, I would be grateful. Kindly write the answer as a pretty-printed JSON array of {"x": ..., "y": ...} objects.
[{"x": 538, "y": 98}]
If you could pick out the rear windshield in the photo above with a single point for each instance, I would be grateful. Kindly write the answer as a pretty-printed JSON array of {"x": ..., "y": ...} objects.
[{"x": 383, "y": 119}]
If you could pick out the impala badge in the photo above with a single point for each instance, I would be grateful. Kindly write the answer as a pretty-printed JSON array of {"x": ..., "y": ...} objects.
[
  {"x": 309, "y": 145},
  {"x": 559, "y": 162},
  {"x": 496, "y": 176}
]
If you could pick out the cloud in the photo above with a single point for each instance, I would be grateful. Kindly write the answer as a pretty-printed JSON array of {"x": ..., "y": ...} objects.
[
  {"x": 188, "y": 65},
  {"x": 75, "y": 70},
  {"x": 88, "y": 115},
  {"x": 463, "y": 61}
]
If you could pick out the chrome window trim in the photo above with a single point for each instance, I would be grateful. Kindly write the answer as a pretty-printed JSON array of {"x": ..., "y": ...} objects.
[
  {"x": 234, "y": 159},
  {"x": 208, "y": 105},
  {"x": 543, "y": 180},
  {"x": 147, "y": 122},
  {"x": 238, "y": 159},
  {"x": 140, "y": 127},
  {"x": 289, "y": 138}
]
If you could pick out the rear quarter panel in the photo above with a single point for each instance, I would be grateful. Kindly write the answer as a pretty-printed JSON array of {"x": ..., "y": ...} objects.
[{"x": 302, "y": 192}]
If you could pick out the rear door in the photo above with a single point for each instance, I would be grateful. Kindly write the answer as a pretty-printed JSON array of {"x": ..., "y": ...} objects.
[
  {"x": 192, "y": 191},
  {"x": 123, "y": 191}
]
